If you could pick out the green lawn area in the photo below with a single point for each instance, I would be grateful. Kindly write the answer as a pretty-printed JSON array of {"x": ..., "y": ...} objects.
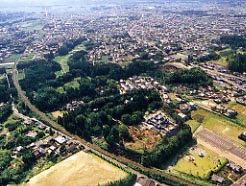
[
  {"x": 219, "y": 125},
  {"x": 78, "y": 48},
  {"x": 27, "y": 57},
  {"x": 222, "y": 61},
  {"x": 62, "y": 60},
  {"x": 72, "y": 84},
  {"x": 12, "y": 58},
  {"x": 104, "y": 59},
  {"x": 191, "y": 163},
  {"x": 20, "y": 76}
]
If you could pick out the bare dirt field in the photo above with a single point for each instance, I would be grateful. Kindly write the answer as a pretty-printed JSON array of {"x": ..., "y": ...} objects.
[{"x": 81, "y": 169}]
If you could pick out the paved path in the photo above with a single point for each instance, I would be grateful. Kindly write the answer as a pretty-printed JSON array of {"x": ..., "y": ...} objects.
[{"x": 222, "y": 146}]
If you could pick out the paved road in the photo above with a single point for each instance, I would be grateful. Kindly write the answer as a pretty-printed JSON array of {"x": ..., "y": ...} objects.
[
  {"x": 225, "y": 77},
  {"x": 232, "y": 151},
  {"x": 97, "y": 150}
]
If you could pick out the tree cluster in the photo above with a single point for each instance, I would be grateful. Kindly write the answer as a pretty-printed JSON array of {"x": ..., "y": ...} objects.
[
  {"x": 167, "y": 147},
  {"x": 109, "y": 117},
  {"x": 237, "y": 63},
  {"x": 235, "y": 41}
]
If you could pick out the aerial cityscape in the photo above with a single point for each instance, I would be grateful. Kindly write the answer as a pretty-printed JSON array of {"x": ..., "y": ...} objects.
[{"x": 122, "y": 92}]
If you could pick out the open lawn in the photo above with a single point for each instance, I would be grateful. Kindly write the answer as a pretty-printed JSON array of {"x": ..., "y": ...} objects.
[
  {"x": 62, "y": 60},
  {"x": 219, "y": 125},
  {"x": 72, "y": 84},
  {"x": 223, "y": 55},
  {"x": 81, "y": 169},
  {"x": 191, "y": 163},
  {"x": 20, "y": 76}
]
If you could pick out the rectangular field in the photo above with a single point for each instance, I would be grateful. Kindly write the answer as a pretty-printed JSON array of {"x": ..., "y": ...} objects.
[{"x": 79, "y": 169}]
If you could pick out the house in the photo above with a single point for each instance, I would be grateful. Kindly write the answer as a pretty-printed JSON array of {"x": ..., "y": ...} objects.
[
  {"x": 185, "y": 108},
  {"x": 31, "y": 134},
  {"x": 41, "y": 126},
  {"x": 60, "y": 139},
  {"x": 182, "y": 116},
  {"x": 217, "y": 179},
  {"x": 235, "y": 168},
  {"x": 27, "y": 122},
  {"x": 143, "y": 181},
  {"x": 230, "y": 113}
]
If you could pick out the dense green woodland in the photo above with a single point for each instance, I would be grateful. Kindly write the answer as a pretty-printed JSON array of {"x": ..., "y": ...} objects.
[
  {"x": 237, "y": 63},
  {"x": 235, "y": 41}
]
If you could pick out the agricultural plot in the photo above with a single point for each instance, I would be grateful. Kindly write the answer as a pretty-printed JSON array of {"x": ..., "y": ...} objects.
[
  {"x": 219, "y": 125},
  {"x": 79, "y": 169}
]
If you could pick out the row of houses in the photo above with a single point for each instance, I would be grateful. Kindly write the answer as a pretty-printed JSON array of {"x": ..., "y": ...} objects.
[
  {"x": 139, "y": 82},
  {"x": 221, "y": 109}
]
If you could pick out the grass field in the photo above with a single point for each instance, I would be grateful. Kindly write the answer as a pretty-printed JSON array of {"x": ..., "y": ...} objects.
[
  {"x": 72, "y": 84},
  {"x": 20, "y": 76},
  {"x": 12, "y": 58},
  {"x": 62, "y": 60},
  {"x": 219, "y": 125},
  {"x": 191, "y": 163},
  {"x": 79, "y": 169}
]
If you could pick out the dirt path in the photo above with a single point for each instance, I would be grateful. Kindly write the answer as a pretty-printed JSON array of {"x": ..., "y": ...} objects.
[{"x": 81, "y": 169}]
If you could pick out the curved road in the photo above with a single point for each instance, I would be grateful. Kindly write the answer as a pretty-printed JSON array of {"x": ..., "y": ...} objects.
[{"x": 97, "y": 150}]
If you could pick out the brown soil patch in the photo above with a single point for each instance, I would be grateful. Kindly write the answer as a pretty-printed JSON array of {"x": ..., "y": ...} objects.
[
  {"x": 56, "y": 114},
  {"x": 142, "y": 138}
]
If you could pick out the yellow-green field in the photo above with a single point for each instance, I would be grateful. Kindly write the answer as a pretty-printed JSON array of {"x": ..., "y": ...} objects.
[
  {"x": 191, "y": 163},
  {"x": 80, "y": 169},
  {"x": 219, "y": 125},
  {"x": 193, "y": 125}
]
